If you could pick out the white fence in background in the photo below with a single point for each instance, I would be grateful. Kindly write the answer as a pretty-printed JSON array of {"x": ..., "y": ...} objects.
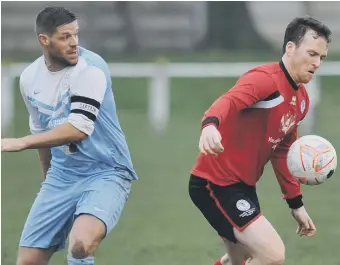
[{"x": 159, "y": 75}]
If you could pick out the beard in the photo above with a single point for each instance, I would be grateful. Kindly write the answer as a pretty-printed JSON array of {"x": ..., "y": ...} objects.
[{"x": 56, "y": 58}]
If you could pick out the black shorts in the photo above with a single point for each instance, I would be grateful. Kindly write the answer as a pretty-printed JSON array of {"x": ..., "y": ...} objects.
[{"x": 225, "y": 207}]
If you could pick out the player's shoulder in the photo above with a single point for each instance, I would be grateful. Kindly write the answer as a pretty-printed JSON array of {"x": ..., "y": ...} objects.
[
  {"x": 262, "y": 71},
  {"x": 93, "y": 60},
  {"x": 27, "y": 76},
  {"x": 261, "y": 76},
  {"x": 268, "y": 68}
]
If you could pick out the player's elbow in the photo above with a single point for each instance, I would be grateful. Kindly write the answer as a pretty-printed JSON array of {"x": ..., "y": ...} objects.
[
  {"x": 79, "y": 136},
  {"x": 77, "y": 132}
]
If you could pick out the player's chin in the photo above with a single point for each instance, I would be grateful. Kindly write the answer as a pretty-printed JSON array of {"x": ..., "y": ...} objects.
[
  {"x": 307, "y": 78},
  {"x": 73, "y": 61}
]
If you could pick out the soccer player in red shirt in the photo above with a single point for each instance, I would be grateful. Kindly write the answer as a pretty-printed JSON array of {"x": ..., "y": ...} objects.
[{"x": 254, "y": 122}]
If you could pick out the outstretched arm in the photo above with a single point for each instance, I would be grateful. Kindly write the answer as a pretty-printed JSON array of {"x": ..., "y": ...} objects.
[
  {"x": 86, "y": 98},
  {"x": 290, "y": 187}
]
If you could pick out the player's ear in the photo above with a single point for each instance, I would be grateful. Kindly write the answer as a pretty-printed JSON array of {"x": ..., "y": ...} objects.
[
  {"x": 290, "y": 48},
  {"x": 44, "y": 40}
]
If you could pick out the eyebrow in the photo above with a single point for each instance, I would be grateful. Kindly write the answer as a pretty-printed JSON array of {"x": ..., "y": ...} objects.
[
  {"x": 323, "y": 56},
  {"x": 65, "y": 33}
]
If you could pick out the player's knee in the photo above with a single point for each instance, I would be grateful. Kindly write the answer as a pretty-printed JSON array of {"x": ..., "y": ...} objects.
[
  {"x": 83, "y": 248},
  {"x": 275, "y": 257},
  {"x": 80, "y": 250},
  {"x": 86, "y": 234}
]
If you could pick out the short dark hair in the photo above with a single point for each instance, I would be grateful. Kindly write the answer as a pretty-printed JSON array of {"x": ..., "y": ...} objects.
[
  {"x": 297, "y": 28},
  {"x": 52, "y": 17}
]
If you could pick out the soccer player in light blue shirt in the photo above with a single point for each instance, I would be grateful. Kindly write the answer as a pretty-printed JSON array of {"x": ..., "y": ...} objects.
[{"x": 85, "y": 159}]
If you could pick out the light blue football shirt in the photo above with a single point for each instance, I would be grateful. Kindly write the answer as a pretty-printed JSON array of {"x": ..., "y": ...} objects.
[{"x": 81, "y": 95}]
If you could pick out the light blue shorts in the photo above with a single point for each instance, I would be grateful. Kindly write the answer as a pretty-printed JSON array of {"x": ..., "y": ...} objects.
[{"x": 62, "y": 198}]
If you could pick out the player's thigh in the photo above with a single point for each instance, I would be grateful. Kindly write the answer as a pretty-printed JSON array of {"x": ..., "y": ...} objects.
[
  {"x": 50, "y": 217},
  {"x": 261, "y": 240},
  {"x": 237, "y": 202},
  {"x": 34, "y": 256},
  {"x": 201, "y": 197},
  {"x": 104, "y": 199},
  {"x": 225, "y": 207}
]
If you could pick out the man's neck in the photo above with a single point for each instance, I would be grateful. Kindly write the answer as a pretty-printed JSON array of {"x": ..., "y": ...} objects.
[
  {"x": 51, "y": 65},
  {"x": 289, "y": 68}
]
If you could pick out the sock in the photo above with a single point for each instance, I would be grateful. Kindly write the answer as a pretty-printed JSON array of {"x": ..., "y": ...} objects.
[
  {"x": 218, "y": 262},
  {"x": 86, "y": 261}
]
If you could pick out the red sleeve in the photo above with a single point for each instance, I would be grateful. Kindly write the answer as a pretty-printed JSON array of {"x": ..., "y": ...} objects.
[
  {"x": 290, "y": 187},
  {"x": 251, "y": 88}
]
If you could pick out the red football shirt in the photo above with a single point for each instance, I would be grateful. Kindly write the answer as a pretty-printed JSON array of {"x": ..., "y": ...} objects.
[{"x": 257, "y": 119}]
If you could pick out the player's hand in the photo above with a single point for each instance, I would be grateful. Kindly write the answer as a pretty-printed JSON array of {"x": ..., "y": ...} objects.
[
  {"x": 210, "y": 141},
  {"x": 306, "y": 226},
  {"x": 12, "y": 145}
]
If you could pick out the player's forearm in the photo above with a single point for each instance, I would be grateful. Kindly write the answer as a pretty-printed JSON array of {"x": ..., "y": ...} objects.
[
  {"x": 219, "y": 111},
  {"x": 290, "y": 187},
  {"x": 63, "y": 134},
  {"x": 45, "y": 157}
]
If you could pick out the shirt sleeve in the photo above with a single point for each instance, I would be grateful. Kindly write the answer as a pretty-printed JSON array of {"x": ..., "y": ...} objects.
[
  {"x": 86, "y": 98},
  {"x": 290, "y": 187},
  {"x": 251, "y": 88},
  {"x": 34, "y": 123}
]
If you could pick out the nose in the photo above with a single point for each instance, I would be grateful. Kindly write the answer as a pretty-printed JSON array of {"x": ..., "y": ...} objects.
[
  {"x": 74, "y": 41},
  {"x": 317, "y": 62}
]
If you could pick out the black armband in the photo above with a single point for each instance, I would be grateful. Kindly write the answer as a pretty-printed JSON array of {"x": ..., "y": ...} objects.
[
  {"x": 209, "y": 120},
  {"x": 295, "y": 203}
]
